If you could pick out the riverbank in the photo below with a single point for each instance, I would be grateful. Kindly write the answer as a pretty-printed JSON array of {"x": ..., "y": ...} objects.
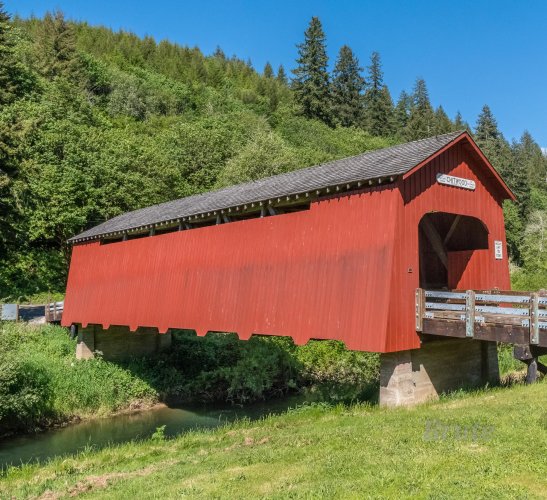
[
  {"x": 485, "y": 444},
  {"x": 42, "y": 385}
]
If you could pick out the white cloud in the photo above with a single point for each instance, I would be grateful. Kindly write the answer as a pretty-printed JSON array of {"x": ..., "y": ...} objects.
[{"x": 544, "y": 151}]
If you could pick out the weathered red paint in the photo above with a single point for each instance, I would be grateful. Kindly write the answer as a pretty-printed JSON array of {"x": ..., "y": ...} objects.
[{"x": 346, "y": 269}]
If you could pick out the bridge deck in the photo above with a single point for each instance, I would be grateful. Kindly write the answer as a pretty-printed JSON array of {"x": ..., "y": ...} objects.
[{"x": 501, "y": 316}]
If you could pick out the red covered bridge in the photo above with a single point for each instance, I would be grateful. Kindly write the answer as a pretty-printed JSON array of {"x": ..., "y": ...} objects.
[{"x": 335, "y": 251}]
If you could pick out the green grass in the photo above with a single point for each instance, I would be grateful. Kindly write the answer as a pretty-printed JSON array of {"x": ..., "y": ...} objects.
[
  {"x": 354, "y": 451},
  {"x": 41, "y": 383}
]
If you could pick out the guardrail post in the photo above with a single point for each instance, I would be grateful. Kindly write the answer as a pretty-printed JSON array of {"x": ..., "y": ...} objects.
[
  {"x": 469, "y": 313},
  {"x": 534, "y": 318},
  {"x": 420, "y": 305}
]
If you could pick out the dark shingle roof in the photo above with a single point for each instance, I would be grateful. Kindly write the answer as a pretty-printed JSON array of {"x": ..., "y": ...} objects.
[{"x": 392, "y": 161}]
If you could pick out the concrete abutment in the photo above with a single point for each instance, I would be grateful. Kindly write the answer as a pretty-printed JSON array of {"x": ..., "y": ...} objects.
[
  {"x": 118, "y": 342},
  {"x": 415, "y": 376}
]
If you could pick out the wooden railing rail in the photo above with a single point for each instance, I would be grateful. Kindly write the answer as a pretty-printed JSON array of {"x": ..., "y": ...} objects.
[{"x": 504, "y": 316}]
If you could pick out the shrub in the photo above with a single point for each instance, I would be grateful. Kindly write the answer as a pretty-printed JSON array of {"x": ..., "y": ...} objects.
[{"x": 26, "y": 394}]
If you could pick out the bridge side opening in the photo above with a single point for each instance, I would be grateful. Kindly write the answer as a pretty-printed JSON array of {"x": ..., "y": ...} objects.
[{"x": 442, "y": 235}]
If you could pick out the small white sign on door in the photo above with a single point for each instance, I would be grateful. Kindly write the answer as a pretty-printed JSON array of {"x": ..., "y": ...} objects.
[{"x": 498, "y": 250}]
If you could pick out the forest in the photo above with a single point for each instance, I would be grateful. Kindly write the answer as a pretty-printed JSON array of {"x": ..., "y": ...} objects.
[{"x": 94, "y": 123}]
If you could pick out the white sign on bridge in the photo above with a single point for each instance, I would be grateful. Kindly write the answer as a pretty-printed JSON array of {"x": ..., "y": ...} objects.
[{"x": 460, "y": 182}]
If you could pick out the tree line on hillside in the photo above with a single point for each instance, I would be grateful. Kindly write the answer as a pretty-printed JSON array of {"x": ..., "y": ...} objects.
[
  {"x": 348, "y": 98},
  {"x": 94, "y": 123}
]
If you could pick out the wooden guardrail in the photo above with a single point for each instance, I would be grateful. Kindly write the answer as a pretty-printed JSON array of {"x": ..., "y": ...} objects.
[
  {"x": 502, "y": 316},
  {"x": 54, "y": 312}
]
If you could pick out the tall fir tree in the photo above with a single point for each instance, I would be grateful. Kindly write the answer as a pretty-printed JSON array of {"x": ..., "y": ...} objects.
[
  {"x": 347, "y": 87},
  {"x": 311, "y": 79},
  {"x": 268, "y": 71},
  {"x": 402, "y": 112},
  {"x": 421, "y": 120},
  {"x": 442, "y": 124},
  {"x": 15, "y": 80},
  {"x": 56, "y": 47},
  {"x": 281, "y": 75},
  {"x": 492, "y": 142},
  {"x": 506, "y": 161},
  {"x": 533, "y": 160},
  {"x": 379, "y": 113},
  {"x": 517, "y": 177},
  {"x": 460, "y": 124}
]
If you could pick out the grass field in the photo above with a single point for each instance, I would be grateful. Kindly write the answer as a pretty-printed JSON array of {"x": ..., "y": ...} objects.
[{"x": 489, "y": 444}]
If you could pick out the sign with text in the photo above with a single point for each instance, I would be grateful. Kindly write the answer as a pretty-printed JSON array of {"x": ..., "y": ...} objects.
[
  {"x": 498, "y": 250},
  {"x": 450, "y": 180}
]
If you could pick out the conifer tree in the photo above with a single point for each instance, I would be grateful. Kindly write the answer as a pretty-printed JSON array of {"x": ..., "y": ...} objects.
[
  {"x": 379, "y": 113},
  {"x": 496, "y": 148},
  {"x": 421, "y": 120},
  {"x": 281, "y": 75},
  {"x": 268, "y": 71},
  {"x": 487, "y": 127},
  {"x": 311, "y": 79},
  {"x": 57, "y": 48},
  {"x": 14, "y": 80},
  {"x": 516, "y": 177},
  {"x": 443, "y": 125},
  {"x": 534, "y": 161},
  {"x": 347, "y": 88},
  {"x": 219, "y": 53},
  {"x": 402, "y": 112},
  {"x": 460, "y": 124}
]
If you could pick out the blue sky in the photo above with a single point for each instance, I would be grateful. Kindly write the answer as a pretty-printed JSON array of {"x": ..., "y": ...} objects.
[{"x": 469, "y": 52}]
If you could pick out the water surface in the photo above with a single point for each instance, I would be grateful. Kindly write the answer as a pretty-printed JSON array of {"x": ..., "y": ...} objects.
[{"x": 101, "y": 432}]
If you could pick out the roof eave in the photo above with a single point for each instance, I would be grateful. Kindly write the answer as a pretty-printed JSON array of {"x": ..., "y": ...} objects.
[{"x": 319, "y": 191}]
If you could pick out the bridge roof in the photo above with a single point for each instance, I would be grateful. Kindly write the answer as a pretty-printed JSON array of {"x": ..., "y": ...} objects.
[{"x": 378, "y": 164}]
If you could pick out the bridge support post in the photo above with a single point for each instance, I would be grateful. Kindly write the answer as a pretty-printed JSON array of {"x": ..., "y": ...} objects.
[
  {"x": 117, "y": 342},
  {"x": 415, "y": 376}
]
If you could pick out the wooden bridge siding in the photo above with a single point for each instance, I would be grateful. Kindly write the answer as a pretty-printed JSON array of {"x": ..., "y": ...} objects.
[
  {"x": 421, "y": 194},
  {"x": 319, "y": 273}
]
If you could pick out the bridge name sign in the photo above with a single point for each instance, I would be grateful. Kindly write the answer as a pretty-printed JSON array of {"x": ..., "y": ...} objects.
[{"x": 460, "y": 182}]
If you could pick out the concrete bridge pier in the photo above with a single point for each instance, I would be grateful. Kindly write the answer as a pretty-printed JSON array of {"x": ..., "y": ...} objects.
[
  {"x": 418, "y": 375},
  {"x": 117, "y": 342}
]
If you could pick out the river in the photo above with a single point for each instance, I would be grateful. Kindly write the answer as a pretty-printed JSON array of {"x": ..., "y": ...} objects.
[{"x": 101, "y": 432}]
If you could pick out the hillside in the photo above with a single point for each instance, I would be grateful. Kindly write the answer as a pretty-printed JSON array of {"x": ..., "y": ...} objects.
[
  {"x": 94, "y": 123},
  {"x": 485, "y": 445}
]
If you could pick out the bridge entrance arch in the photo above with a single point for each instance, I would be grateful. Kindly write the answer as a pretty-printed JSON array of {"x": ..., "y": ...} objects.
[{"x": 448, "y": 245}]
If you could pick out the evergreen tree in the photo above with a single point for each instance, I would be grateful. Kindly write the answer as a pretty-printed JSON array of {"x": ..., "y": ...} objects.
[
  {"x": 421, "y": 120},
  {"x": 379, "y": 114},
  {"x": 402, "y": 112},
  {"x": 487, "y": 127},
  {"x": 505, "y": 159},
  {"x": 492, "y": 142},
  {"x": 219, "y": 53},
  {"x": 311, "y": 79},
  {"x": 268, "y": 71},
  {"x": 281, "y": 75},
  {"x": 460, "y": 124},
  {"x": 443, "y": 125},
  {"x": 347, "y": 87},
  {"x": 533, "y": 161},
  {"x": 57, "y": 54},
  {"x": 516, "y": 177},
  {"x": 14, "y": 79}
]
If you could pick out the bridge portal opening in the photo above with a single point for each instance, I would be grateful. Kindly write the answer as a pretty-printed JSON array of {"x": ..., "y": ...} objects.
[{"x": 446, "y": 243}]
